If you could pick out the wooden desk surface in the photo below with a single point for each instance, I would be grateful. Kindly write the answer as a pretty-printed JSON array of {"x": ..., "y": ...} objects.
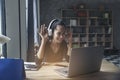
[{"x": 108, "y": 72}]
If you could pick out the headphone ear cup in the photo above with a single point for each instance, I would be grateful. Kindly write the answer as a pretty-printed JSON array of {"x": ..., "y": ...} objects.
[
  {"x": 49, "y": 27},
  {"x": 50, "y": 32}
]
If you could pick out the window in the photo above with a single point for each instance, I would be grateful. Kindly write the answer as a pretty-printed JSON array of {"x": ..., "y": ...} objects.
[{"x": 2, "y": 24}]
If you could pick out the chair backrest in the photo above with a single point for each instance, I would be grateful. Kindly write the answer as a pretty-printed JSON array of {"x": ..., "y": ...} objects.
[{"x": 12, "y": 69}]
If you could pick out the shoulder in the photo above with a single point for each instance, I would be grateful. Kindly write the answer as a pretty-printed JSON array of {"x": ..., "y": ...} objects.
[{"x": 47, "y": 45}]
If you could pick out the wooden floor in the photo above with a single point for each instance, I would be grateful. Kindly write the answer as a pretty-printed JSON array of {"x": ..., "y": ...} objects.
[
  {"x": 113, "y": 58},
  {"x": 108, "y": 72}
]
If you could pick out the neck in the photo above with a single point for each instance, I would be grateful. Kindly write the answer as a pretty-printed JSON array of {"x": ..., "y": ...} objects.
[{"x": 54, "y": 43}]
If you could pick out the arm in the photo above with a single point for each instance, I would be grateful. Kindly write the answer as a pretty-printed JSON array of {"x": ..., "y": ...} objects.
[
  {"x": 68, "y": 46},
  {"x": 44, "y": 38},
  {"x": 69, "y": 49},
  {"x": 41, "y": 50},
  {"x": 68, "y": 52}
]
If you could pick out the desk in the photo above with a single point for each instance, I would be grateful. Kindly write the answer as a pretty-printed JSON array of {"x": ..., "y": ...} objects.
[{"x": 108, "y": 72}]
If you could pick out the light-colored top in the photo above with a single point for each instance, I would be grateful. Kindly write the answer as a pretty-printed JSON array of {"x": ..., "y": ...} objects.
[{"x": 51, "y": 56}]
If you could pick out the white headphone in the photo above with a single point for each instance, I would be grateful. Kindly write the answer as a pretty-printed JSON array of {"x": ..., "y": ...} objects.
[{"x": 49, "y": 27}]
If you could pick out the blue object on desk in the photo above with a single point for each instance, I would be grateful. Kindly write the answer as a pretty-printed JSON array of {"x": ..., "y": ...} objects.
[{"x": 12, "y": 69}]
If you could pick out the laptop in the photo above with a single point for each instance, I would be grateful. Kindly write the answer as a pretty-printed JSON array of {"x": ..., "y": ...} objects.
[{"x": 83, "y": 60}]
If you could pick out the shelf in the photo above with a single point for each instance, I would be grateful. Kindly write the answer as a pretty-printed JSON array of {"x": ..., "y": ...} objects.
[{"x": 90, "y": 27}]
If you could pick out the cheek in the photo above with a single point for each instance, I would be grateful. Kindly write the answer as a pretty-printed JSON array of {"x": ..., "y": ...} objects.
[
  {"x": 59, "y": 38},
  {"x": 56, "y": 36}
]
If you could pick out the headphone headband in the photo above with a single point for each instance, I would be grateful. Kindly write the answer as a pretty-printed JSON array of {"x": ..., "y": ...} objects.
[{"x": 51, "y": 23}]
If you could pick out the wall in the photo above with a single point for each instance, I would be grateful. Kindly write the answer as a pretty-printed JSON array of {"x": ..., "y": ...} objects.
[
  {"x": 50, "y": 9},
  {"x": 24, "y": 39},
  {"x": 116, "y": 22},
  {"x": 17, "y": 47}
]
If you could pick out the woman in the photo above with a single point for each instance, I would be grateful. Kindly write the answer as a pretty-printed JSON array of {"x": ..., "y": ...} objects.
[{"x": 53, "y": 48}]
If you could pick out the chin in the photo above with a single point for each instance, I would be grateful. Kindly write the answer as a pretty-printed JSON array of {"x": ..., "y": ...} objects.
[{"x": 59, "y": 41}]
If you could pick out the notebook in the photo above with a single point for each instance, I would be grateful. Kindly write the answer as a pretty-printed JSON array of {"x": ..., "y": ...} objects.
[
  {"x": 83, "y": 61},
  {"x": 30, "y": 66}
]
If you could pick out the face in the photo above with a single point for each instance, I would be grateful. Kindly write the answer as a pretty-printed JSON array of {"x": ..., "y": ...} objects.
[{"x": 59, "y": 34}]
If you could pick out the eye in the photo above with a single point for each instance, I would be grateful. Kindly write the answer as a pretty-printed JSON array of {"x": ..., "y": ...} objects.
[
  {"x": 63, "y": 33},
  {"x": 59, "y": 33}
]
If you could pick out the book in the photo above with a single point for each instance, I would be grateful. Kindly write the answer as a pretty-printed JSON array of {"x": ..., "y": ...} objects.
[
  {"x": 30, "y": 66},
  {"x": 109, "y": 30},
  {"x": 73, "y": 22}
]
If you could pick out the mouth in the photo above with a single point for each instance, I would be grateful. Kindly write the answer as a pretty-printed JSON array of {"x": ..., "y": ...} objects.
[{"x": 60, "y": 40}]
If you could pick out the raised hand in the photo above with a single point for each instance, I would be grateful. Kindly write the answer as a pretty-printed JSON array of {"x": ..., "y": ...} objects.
[{"x": 43, "y": 32}]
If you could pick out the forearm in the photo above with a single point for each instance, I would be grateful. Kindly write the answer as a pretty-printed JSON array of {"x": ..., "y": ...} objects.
[
  {"x": 38, "y": 62},
  {"x": 69, "y": 46},
  {"x": 41, "y": 50}
]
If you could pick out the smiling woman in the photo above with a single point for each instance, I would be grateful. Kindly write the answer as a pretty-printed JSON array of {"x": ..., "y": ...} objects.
[{"x": 53, "y": 47}]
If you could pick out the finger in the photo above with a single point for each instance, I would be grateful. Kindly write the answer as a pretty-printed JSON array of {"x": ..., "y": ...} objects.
[
  {"x": 70, "y": 33},
  {"x": 46, "y": 31},
  {"x": 42, "y": 29},
  {"x": 45, "y": 28},
  {"x": 44, "y": 25}
]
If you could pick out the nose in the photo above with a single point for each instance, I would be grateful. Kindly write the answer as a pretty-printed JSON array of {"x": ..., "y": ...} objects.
[{"x": 62, "y": 36}]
